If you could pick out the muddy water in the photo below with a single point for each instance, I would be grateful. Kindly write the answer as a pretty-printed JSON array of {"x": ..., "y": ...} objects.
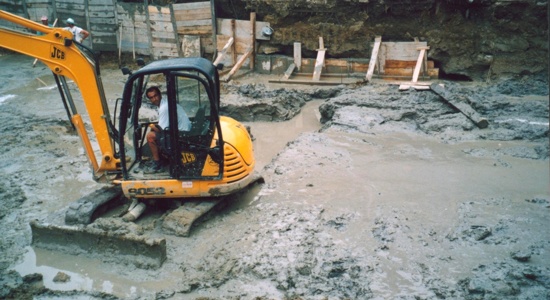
[
  {"x": 271, "y": 138},
  {"x": 397, "y": 205}
]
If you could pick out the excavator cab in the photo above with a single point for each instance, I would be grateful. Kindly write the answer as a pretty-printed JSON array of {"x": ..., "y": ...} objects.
[{"x": 194, "y": 154}]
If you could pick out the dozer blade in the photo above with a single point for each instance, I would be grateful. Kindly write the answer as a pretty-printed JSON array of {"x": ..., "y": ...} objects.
[
  {"x": 141, "y": 251},
  {"x": 109, "y": 239}
]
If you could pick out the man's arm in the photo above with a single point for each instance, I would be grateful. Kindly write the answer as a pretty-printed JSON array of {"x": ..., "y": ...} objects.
[{"x": 84, "y": 34}]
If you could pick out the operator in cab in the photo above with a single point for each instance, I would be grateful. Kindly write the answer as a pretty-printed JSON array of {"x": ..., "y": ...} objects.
[{"x": 156, "y": 134}]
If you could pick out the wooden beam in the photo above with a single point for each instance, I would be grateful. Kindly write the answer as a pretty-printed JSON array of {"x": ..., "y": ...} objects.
[
  {"x": 419, "y": 62},
  {"x": 238, "y": 65},
  {"x": 149, "y": 35},
  {"x": 175, "y": 29},
  {"x": 253, "y": 40},
  {"x": 233, "y": 35},
  {"x": 214, "y": 27},
  {"x": 224, "y": 50},
  {"x": 298, "y": 56},
  {"x": 461, "y": 107},
  {"x": 289, "y": 71},
  {"x": 374, "y": 57},
  {"x": 320, "y": 61}
]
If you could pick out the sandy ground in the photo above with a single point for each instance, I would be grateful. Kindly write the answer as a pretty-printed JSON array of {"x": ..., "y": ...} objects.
[{"x": 393, "y": 196}]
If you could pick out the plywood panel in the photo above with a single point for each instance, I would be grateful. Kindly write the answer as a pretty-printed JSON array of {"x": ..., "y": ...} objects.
[
  {"x": 192, "y": 23},
  {"x": 196, "y": 30},
  {"x": 194, "y": 5},
  {"x": 191, "y": 46},
  {"x": 242, "y": 28},
  {"x": 199, "y": 14},
  {"x": 133, "y": 28}
]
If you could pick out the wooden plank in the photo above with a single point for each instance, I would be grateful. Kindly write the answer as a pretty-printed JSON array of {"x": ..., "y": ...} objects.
[
  {"x": 403, "y": 87},
  {"x": 222, "y": 42},
  {"x": 163, "y": 53},
  {"x": 401, "y": 50},
  {"x": 72, "y": 7},
  {"x": 175, "y": 31},
  {"x": 406, "y": 64},
  {"x": 224, "y": 50},
  {"x": 319, "y": 64},
  {"x": 419, "y": 63},
  {"x": 233, "y": 34},
  {"x": 253, "y": 40},
  {"x": 238, "y": 65},
  {"x": 212, "y": 43},
  {"x": 462, "y": 107},
  {"x": 163, "y": 35},
  {"x": 103, "y": 8},
  {"x": 158, "y": 10},
  {"x": 289, "y": 71},
  {"x": 306, "y": 82},
  {"x": 242, "y": 29},
  {"x": 160, "y": 17},
  {"x": 197, "y": 30},
  {"x": 162, "y": 43},
  {"x": 298, "y": 56},
  {"x": 196, "y": 14},
  {"x": 193, "y": 5},
  {"x": 192, "y": 23},
  {"x": 409, "y": 72},
  {"x": 161, "y": 27},
  {"x": 336, "y": 63},
  {"x": 374, "y": 57}
]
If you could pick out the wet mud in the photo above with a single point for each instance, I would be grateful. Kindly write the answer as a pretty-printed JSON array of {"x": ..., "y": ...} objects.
[{"x": 369, "y": 193}]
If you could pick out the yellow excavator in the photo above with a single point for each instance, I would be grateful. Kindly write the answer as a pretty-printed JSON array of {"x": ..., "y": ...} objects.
[{"x": 212, "y": 159}]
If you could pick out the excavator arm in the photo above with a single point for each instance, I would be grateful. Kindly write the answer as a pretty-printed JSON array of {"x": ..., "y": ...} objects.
[{"x": 66, "y": 59}]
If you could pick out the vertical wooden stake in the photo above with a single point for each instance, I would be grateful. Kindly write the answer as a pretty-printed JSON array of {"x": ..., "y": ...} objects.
[
  {"x": 253, "y": 42},
  {"x": 214, "y": 27},
  {"x": 320, "y": 61},
  {"x": 419, "y": 62},
  {"x": 298, "y": 56},
  {"x": 234, "y": 36},
  {"x": 374, "y": 57},
  {"x": 120, "y": 43}
]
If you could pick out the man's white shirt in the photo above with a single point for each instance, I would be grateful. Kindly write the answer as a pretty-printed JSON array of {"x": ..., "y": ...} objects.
[{"x": 183, "y": 120}]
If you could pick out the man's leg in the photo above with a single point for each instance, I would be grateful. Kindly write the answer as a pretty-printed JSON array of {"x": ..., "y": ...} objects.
[{"x": 152, "y": 141}]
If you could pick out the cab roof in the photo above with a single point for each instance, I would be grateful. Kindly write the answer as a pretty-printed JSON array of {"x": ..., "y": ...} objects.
[{"x": 199, "y": 64}]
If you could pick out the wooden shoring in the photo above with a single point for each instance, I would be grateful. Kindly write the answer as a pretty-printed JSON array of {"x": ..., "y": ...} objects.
[
  {"x": 298, "y": 56},
  {"x": 253, "y": 40},
  {"x": 374, "y": 57},
  {"x": 238, "y": 65},
  {"x": 420, "y": 63},
  {"x": 460, "y": 106},
  {"x": 320, "y": 61},
  {"x": 224, "y": 51}
]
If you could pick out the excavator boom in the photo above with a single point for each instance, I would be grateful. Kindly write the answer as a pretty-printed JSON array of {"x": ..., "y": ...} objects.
[{"x": 57, "y": 50}]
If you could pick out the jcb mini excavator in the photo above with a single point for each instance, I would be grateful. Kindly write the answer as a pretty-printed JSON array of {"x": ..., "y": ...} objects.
[{"x": 213, "y": 159}]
